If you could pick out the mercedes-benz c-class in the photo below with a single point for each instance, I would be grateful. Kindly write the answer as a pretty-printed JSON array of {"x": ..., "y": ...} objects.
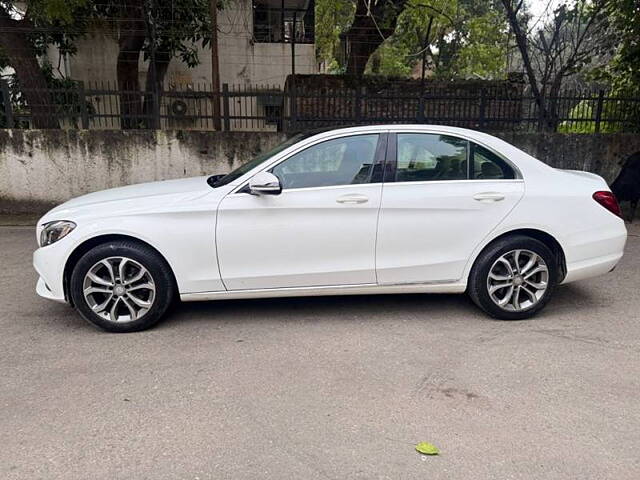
[{"x": 362, "y": 210}]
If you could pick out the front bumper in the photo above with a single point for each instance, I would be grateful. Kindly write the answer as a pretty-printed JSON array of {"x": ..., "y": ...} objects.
[
  {"x": 44, "y": 291},
  {"x": 49, "y": 262}
]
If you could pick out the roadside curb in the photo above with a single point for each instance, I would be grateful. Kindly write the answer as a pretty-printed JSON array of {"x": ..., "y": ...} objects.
[{"x": 22, "y": 220}]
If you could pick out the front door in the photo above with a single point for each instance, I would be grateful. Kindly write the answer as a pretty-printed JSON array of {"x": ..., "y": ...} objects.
[
  {"x": 438, "y": 206},
  {"x": 320, "y": 231}
]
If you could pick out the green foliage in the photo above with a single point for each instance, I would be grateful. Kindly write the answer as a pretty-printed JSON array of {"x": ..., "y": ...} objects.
[
  {"x": 65, "y": 97},
  {"x": 332, "y": 18},
  {"x": 623, "y": 72},
  {"x": 467, "y": 38},
  {"x": 584, "y": 109},
  {"x": 172, "y": 28},
  {"x": 179, "y": 28},
  {"x": 61, "y": 12},
  {"x": 391, "y": 59},
  {"x": 47, "y": 22},
  {"x": 611, "y": 109},
  {"x": 471, "y": 40},
  {"x": 484, "y": 53}
]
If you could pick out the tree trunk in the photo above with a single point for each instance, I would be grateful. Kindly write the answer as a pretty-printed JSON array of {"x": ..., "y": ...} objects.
[
  {"x": 369, "y": 29},
  {"x": 163, "y": 58},
  {"x": 215, "y": 64},
  {"x": 521, "y": 40},
  {"x": 551, "y": 118},
  {"x": 130, "y": 43},
  {"x": 22, "y": 58}
]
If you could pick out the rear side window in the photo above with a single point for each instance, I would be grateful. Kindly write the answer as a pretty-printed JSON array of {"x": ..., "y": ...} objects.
[
  {"x": 425, "y": 156},
  {"x": 488, "y": 165}
]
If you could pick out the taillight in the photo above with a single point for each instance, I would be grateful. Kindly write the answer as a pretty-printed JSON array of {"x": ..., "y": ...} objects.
[{"x": 608, "y": 200}]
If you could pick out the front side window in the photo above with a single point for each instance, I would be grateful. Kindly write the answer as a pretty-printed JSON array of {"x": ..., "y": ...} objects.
[
  {"x": 487, "y": 165},
  {"x": 238, "y": 172},
  {"x": 429, "y": 157},
  {"x": 341, "y": 161}
]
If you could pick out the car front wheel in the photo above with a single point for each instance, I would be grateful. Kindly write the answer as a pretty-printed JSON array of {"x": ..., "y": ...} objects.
[
  {"x": 122, "y": 286},
  {"x": 513, "y": 278}
]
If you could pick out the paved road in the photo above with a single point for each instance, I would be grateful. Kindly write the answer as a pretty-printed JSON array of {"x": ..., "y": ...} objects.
[{"x": 324, "y": 388}]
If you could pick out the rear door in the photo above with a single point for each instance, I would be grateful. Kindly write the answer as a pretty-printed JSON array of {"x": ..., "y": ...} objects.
[{"x": 441, "y": 197}]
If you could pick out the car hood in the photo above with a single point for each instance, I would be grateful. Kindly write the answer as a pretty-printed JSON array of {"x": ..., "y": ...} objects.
[{"x": 133, "y": 198}]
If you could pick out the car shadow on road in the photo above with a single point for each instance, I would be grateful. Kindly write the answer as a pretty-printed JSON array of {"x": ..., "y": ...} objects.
[
  {"x": 325, "y": 308},
  {"x": 432, "y": 307},
  {"x": 574, "y": 299}
]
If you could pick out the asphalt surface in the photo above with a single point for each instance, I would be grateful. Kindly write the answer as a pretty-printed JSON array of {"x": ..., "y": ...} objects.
[{"x": 322, "y": 388}]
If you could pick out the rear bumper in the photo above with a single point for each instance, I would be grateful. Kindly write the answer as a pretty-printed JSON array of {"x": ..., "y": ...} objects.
[
  {"x": 592, "y": 267},
  {"x": 595, "y": 252}
]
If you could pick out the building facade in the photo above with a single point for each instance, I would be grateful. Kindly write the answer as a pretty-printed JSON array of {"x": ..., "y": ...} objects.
[{"x": 260, "y": 43}]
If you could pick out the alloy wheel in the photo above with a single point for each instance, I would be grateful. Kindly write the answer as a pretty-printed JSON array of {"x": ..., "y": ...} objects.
[
  {"x": 119, "y": 289},
  {"x": 518, "y": 280}
]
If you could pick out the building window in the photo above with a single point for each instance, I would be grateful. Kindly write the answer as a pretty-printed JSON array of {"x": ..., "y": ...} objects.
[{"x": 283, "y": 21}]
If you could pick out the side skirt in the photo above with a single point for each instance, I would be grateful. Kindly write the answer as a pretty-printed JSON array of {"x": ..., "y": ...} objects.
[{"x": 364, "y": 289}]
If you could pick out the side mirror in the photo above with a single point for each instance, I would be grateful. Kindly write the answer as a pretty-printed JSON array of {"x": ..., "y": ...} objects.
[{"x": 265, "y": 183}]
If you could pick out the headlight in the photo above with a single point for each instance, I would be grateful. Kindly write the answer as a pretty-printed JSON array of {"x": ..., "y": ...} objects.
[{"x": 54, "y": 231}]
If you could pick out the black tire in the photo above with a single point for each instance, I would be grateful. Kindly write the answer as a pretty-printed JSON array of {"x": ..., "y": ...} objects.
[
  {"x": 156, "y": 266},
  {"x": 478, "y": 288}
]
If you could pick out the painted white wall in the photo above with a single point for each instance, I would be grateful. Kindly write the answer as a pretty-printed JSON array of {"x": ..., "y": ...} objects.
[{"x": 242, "y": 62}]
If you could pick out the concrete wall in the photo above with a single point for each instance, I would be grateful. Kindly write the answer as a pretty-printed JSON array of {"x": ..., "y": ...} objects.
[
  {"x": 40, "y": 168},
  {"x": 598, "y": 153}
]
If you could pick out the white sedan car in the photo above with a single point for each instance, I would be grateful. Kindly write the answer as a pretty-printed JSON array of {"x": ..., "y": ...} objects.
[{"x": 364, "y": 210}]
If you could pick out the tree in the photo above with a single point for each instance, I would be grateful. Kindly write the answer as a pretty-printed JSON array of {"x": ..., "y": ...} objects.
[
  {"x": 566, "y": 44},
  {"x": 373, "y": 22},
  {"x": 25, "y": 32},
  {"x": 453, "y": 38},
  {"x": 158, "y": 31},
  {"x": 623, "y": 72},
  {"x": 333, "y": 17},
  {"x": 173, "y": 31},
  {"x": 131, "y": 36},
  {"x": 449, "y": 38}
]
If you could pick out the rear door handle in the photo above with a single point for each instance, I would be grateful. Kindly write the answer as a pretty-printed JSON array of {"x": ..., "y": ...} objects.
[
  {"x": 488, "y": 197},
  {"x": 352, "y": 198}
]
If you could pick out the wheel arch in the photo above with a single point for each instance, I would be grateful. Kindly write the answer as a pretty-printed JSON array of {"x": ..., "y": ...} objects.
[
  {"x": 92, "y": 242},
  {"x": 545, "y": 237}
]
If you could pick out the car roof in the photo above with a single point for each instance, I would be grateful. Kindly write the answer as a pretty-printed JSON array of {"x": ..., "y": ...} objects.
[{"x": 389, "y": 126}]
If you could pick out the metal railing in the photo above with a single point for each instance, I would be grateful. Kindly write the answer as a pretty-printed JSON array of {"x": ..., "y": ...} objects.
[{"x": 99, "y": 105}]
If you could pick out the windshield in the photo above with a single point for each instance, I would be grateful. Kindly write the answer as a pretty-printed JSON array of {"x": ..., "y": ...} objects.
[{"x": 238, "y": 172}]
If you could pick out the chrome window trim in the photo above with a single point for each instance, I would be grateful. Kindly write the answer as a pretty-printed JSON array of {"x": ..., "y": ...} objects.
[{"x": 283, "y": 158}]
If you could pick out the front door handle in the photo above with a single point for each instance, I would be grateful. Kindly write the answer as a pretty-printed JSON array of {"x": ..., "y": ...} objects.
[
  {"x": 352, "y": 198},
  {"x": 488, "y": 197}
]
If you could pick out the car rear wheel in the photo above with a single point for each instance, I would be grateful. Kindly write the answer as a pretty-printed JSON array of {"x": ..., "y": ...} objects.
[
  {"x": 513, "y": 278},
  {"x": 122, "y": 286}
]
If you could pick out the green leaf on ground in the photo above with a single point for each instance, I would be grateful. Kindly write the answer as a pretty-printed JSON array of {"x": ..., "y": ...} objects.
[{"x": 427, "y": 448}]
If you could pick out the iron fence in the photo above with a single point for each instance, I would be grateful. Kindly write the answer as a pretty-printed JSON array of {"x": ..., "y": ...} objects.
[{"x": 101, "y": 105}]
